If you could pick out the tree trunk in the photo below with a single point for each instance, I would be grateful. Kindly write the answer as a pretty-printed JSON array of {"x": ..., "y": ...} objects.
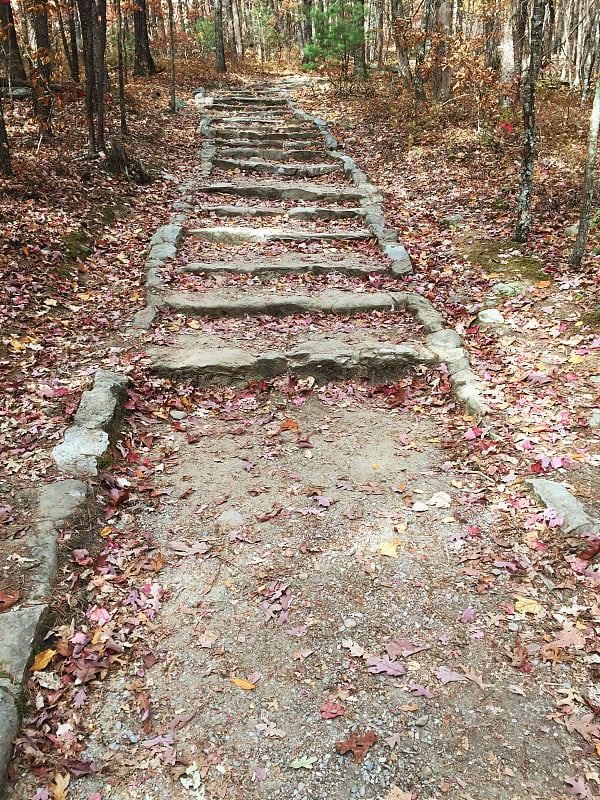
[
  {"x": 360, "y": 58},
  {"x": 589, "y": 178},
  {"x": 42, "y": 72},
  {"x": 9, "y": 46},
  {"x": 76, "y": 73},
  {"x": 220, "y": 65},
  {"x": 172, "y": 98},
  {"x": 491, "y": 31},
  {"x": 121, "y": 68},
  {"x": 85, "y": 18},
  {"x": 73, "y": 62},
  {"x": 401, "y": 24},
  {"x": 536, "y": 39},
  {"x": 5, "y": 166},
  {"x": 143, "y": 63},
  {"x": 306, "y": 28},
  {"x": 519, "y": 28},
  {"x": 427, "y": 23},
  {"x": 441, "y": 74}
]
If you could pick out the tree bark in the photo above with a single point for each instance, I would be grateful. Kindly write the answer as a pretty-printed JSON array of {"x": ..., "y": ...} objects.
[
  {"x": 536, "y": 39},
  {"x": 9, "y": 46},
  {"x": 121, "y": 68},
  {"x": 220, "y": 65},
  {"x": 42, "y": 72},
  {"x": 5, "y": 165},
  {"x": 172, "y": 98},
  {"x": 589, "y": 179},
  {"x": 143, "y": 63}
]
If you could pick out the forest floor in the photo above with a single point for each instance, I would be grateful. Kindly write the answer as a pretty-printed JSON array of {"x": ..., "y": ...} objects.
[{"x": 390, "y": 524}]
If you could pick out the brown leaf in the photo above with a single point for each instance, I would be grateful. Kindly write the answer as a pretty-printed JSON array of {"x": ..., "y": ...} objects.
[
  {"x": 357, "y": 745},
  {"x": 8, "y": 600},
  {"x": 60, "y": 786}
]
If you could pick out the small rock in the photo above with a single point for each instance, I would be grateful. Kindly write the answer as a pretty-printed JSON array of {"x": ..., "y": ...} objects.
[
  {"x": 491, "y": 316},
  {"x": 594, "y": 420},
  {"x": 572, "y": 230},
  {"x": 229, "y": 520},
  {"x": 426, "y": 773},
  {"x": 349, "y": 622},
  {"x": 420, "y": 722},
  {"x": 506, "y": 289},
  {"x": 175, "y": 414},
  {"x": 454, "y": 221}
]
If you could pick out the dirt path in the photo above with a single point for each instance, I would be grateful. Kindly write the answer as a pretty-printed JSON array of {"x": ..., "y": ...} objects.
[{"x": 335, "y": 609}]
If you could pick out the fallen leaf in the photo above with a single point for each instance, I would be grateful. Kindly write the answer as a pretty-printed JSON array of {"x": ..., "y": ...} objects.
[
  {"x": 242, "y": 683},
  {"x": 446, "y": 675},
  {"x": 329, "y": 710},
  {"x": 59, "y": 788},
  {"x": 395, "y": 740},
  {"x": 305, "y": 762},
  {"x": 377, "y": 664},
  {"x": 440, "y": 500},
  {"x": 397, "y": 794},
  {"x": 389, "y": 548},
  {"x": 42, "y": 660},
  {"x": 579, "y": 788},
  {"x": 357, "y": 745},
  {"x": 420, "y": 507},
  {"x": 475, "y": 678},
  {"x": 525, "y": 605},
  {"x": 8, "y": 600},
  {"x": 420, "y": 691},
  {"x": 355, "y": 649}
]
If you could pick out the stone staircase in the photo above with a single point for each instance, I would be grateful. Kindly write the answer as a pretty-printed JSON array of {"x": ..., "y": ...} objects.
[{"x": 280, "y": 224}]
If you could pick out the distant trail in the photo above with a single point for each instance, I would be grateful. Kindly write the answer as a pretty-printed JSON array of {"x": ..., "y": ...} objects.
[{"x": 289, "y": 204}]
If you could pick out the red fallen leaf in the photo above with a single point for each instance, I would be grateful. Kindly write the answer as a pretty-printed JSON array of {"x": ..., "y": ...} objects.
[
  {"x": 593, "y": 550},
  {"x": 8, "y": 600},
  {"x": 222, "y": 499},
  {"x": 357, "y": 745},
  {"x": 329, "y": 710},
  {"x": 79, "y": 768}
]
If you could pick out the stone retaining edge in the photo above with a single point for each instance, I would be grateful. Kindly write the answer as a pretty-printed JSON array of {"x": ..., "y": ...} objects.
[{"x": 96, "y": 426}]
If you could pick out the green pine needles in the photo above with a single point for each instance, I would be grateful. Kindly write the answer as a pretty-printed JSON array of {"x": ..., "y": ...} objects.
[{"x": 338, "y": 38}]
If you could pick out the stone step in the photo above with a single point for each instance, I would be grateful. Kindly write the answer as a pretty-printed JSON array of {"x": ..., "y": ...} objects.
[
  {"x": 239, "y": 234},
  {"x": 279, "y": 120},
  {"x": 292, "y": 264},
  {"x": 272, "y": 153},
  {"x": 251, "y": 100},
  {"x": 283, "y": 191},
  {"x": 269, "y": 130},
  {"x": 299, "y": 212},
  {"x": 322, "y": 359},
  {"x": 230, "y": 302},
  {"x": 304, "y": 135},
  {"x": 284, "y": 145},
  {"x": 247, "y": 108},
  {"x": 267, "y": 168}
]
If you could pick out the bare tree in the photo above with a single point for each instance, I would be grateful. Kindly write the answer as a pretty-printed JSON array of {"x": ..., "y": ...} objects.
[
  {"x": 536, "y": 39},
  {"x": 589, "y": 179},
  {"x": 5, "y": 166},
  {"x": 220, "y": 64}
]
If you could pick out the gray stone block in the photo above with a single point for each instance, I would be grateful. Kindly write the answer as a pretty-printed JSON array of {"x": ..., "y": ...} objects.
[
  {"x": 62, "y": 499},
  {"x": 79, "y": 450},
  {"x": 19, "y": 630},
  {"x": 101, "y": 406},
  {"x": 167, "y": 234},
  {"x": 160, "y": 252},
  {"x": 446, "y": 338},
  {"x": 552, "y": 494}
]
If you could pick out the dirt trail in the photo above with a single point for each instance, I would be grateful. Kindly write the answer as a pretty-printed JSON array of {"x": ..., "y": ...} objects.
[{"x": 335, "y": 612}]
